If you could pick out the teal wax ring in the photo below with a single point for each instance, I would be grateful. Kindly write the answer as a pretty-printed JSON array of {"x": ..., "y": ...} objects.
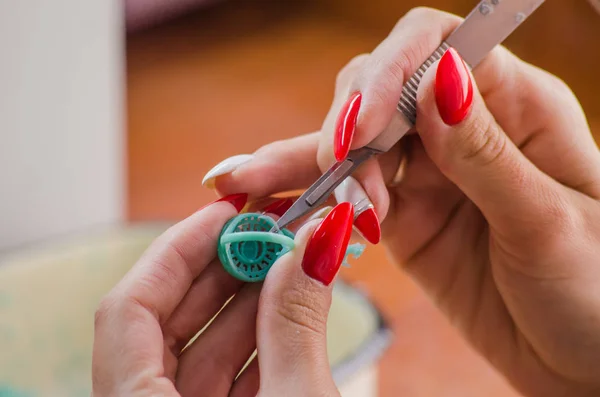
[
  {"x": 248, "y": 246},
  {"x": 263, "y": 237}
]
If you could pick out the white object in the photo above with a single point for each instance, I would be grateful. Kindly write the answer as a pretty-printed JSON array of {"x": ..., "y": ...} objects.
[
  {"x": 61, "y": 117},
  {"x": 225, "y": 167}
]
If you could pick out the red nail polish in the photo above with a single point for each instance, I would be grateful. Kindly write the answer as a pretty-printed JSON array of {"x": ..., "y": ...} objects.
[
  {"x": 279, "y": 207},
  {"x": 327, "y": 246},
  {"x": 237, "y": 200},
  {"x": 345, "y": 126},
  {"x": 368, "y": 225},
  {"x": 453, "y": 88}
]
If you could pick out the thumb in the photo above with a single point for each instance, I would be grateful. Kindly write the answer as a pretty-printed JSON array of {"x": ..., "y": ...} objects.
[
  {"x": 466, "y": 143},
  {"x": 293, "y": 309}
]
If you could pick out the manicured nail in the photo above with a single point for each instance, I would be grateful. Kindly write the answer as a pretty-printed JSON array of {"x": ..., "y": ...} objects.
[
  {"x": 238, "y": 200},
  {"x": 327, "y": 246},
  {"x": 225, "y": 167},
  {"x": 345, "y": 126},
  {"x": 453, "y": 88},
  {"x": 366, "y": 221},
  {"x": 279, "y": 207}
]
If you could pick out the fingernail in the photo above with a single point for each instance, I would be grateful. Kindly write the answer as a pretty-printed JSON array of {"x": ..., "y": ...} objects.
[
  {"x": 238, "y": 200},
  {"x": 279, "y": 207},
  {"x": 225, "y": 167},
  {"x": 453, "y": 88},
  {"x": 327, "y": 246},
  {"x": 366, "y": 221},
  {"x": 345, "y": 126}
]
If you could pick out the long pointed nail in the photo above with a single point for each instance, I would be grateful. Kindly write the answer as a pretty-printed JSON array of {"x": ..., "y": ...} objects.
[
  {"x": 345, "y": 126},
  {"x": 327, "y": 246},
  {"x": 366, "y": 221},
  {"x": 238, "y": 200},
  {"x": 279, "y": 207},
  {"x": 453, "y": 88},
  {"x": 225, "y": 167}
]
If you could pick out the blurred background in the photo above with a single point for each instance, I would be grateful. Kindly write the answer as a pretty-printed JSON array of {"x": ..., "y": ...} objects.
[{"x": 113, "y": 113}]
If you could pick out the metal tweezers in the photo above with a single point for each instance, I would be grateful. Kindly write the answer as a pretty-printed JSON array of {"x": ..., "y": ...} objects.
[{"x": 488, "y": 25}]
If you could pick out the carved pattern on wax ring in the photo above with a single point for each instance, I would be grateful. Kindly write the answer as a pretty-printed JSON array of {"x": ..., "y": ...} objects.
[{"x": 248, "y": 248}]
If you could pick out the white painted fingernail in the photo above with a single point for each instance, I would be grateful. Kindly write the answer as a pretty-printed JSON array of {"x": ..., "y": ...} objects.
[
  {"x": 322, "y": 213},
  {"x": 351, "y": 191},
  {"x": 225, "y": 167}
]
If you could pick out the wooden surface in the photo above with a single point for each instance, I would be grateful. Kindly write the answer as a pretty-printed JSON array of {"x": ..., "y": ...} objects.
[{"x": 233, "y": 78}]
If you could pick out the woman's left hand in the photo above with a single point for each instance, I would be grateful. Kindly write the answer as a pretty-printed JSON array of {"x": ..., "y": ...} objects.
[{"x": 177, "y": 287}]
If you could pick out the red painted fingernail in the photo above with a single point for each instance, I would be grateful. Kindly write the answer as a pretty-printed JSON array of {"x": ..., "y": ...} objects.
[
  {"x": 238, "y": 200},
  {"x": 279, "y": 207},
  {"x": 345, "y": 126},
  {"x": 453, "y": 88},
  {"x": 367, "y": 224},
  {"x": 327, "y": 246}
]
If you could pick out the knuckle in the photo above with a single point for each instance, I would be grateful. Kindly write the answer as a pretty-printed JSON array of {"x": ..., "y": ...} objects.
[
  {"x": 394, "y": 73},
  {"x": 563, "y": 219},
  {"x": 104, "y": 311},
  {"x": 269, "y": 149},
  {"x": 422, "y": 13},
  {"x": 347, "y": 73},
  {"x": 482, "y": 142},
  {"x": 559, "y": 86},
  {"x": 303, "y": 310},
  {"x": 557, "y": 224},
  {"x": 163, "y": 276},
  {"x": 408, "y": 58}
]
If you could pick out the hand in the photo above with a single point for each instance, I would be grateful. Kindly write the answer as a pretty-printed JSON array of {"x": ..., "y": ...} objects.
[
  {"x": 496, "y": 209},
  {"x": 144, "y": 324}
]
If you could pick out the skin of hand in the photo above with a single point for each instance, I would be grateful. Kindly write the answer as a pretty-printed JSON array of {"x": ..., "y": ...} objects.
[
  {"x": 143, "y": 325},
  {"x": 497, "y": 215}
]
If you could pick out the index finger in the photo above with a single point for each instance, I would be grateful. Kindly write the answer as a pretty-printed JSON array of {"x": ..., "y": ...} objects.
[{"x": 382, "y": 76}]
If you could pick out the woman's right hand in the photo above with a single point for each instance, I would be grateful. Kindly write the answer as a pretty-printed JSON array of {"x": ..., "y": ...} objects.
[{"x": 496, "y": 212}]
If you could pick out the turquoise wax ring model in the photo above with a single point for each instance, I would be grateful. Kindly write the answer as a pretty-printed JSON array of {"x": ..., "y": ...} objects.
[{"x": 247, "y": 247}]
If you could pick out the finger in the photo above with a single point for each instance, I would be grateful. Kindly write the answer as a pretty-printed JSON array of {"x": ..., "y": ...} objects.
[
  {"x": 277, "y": 167},
  {"x": 209, "y": 366},
  {"x": 369, "y": 196},
  {"x": 293, "y": 309},
  {"x": 211, "y": 290},
  {"x": 206, "y": 296},
  {"x": 463, "y": 139},
  {"x": 247, "y": 384},
  {"x": 127, "y": 322},
  {"x": 370, "y": 202},
  {"x": 162, "y": 277},
  {"x": 380, "y": 77}
]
